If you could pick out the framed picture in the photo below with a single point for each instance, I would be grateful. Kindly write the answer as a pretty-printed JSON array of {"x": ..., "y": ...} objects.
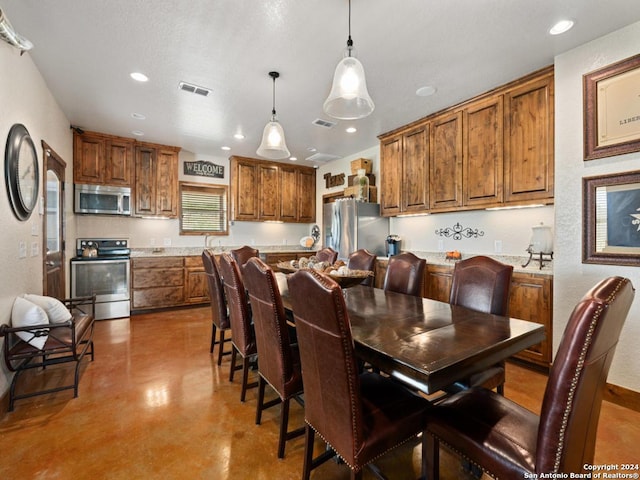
[
  {"x": 612, "y": 109},
  {"x": 611, "y": 219}
]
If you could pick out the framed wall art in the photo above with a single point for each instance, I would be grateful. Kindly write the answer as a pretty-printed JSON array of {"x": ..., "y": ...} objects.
[
  {"x": 612, "y": 109},
  {"x": 611, "y": 219}
]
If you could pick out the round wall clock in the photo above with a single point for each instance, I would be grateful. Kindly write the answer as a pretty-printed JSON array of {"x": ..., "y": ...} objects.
[{"x": 21, "y": 172}]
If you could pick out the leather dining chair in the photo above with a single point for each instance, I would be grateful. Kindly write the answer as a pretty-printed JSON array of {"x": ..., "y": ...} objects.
[
  {"x": 360, "y": 416},
  {"x": 279, "y": 364},
  {"x": 244, "y": 253},
  {"x": 327, "y": 254},
  {"x": 219, "y": 313},
  {"x": 243, "y": 338},
  {"x": 363, "y": 260},
  {"x": 405, "y": 274},
  {"x": 481, "y": 283},
  {"x": 508, "y": 441}
]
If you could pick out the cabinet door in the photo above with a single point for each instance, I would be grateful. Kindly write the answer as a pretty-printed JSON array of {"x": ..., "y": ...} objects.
[
  {"x": 437, "y": 283},
  {"x": 446, "y": 162},
  {"x": 196, "y": 288},
  {"x": 245, "y": 190},
  {"x": 88, "y": 158},
  {"x": 531, "y": 299},
  {"x": 483, "y": 147},
  {"x": 145, "y": 191},
  {"x": 269, "y": 192},
  {"x": 415, "y": 170},
  {"x": 306, "y": 196},
  {"x": 119, "y": 165},
  {"x": 288, "y": 194},
  {"x": 529, "y": 141},
  {"x": 167, "y": 181},
  {"x": 391, "y": 174}
]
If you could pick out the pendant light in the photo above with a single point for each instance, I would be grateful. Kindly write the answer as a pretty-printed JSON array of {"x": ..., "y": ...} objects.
[
  {"x": 349, "y": 98},
  {"x": 273, "y": 145}
]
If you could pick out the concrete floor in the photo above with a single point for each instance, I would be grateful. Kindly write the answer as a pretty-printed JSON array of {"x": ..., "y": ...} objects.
[{"x": 154, "y": 404}]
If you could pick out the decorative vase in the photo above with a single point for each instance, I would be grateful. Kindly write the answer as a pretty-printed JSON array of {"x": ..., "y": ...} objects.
[{"x": 362, "y": 182}]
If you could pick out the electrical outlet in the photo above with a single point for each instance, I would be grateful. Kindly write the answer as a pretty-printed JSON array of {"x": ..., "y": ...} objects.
[
  {"x": 497, "y": 246},
  {"x": 34, "y": 230},
  {"x": 22, "y": 249},
  {"x": 167, "y": 241},
  {"x": 35, "y": 249},
  {"x": 440, "y": 245},
  {"x": 152, "y": 242}
]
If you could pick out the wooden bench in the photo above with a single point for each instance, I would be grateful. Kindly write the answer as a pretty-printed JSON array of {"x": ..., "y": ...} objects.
[{"x": 69, "y": 341}]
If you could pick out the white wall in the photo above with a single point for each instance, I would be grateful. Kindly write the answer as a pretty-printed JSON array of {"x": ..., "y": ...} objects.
[
  {"x": 572, "y": 277},
  {"x": 143, "y": 233},
  {"x": 511, "y": 227},
  {"x": 26, "y": 99}
]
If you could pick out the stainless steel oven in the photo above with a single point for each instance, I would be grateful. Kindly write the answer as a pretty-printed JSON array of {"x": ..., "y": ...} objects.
[{"x": 103, "y": 270}]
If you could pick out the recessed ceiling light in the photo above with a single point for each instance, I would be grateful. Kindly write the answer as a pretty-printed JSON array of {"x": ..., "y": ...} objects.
[
  {"x": 351, "y": 130},
  {"x": 140, "y": 77},
  {"x": 137, "y": 133},
  {"x": 238, "y": 136},
  {"x": 425, "y": 91},
  {"x": 312, "y": 149},
  {"x": 293, "y": 159},
  {"x": 225, "y": 148},
  {"x": 138, "y": 116},
  {"x": 561, "y": 27}
]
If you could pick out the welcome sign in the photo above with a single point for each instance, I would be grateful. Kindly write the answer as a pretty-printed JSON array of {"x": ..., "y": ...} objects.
[{"x": 202, "y": 168}]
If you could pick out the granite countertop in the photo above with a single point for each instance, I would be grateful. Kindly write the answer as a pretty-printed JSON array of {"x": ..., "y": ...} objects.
[{"x": 433, "y": 258}]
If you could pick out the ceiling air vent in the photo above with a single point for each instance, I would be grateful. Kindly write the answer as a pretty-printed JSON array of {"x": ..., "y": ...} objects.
[
  {"x": 321, "y": 158},
  {"x": 318, "y": 122},
  {"x": 188, "y": 87}
]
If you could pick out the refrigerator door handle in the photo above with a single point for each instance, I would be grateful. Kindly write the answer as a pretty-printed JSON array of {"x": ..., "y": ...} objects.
[{"x": 335, "y": 228}]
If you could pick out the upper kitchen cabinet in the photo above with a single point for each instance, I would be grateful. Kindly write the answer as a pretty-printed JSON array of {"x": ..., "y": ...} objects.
[
  {"x": 404, "y": 169},
  {"x": 156, "y": 180},
  {"x": 102, "y": 159},
  {"x": 446, "y": 162},
  {"x": 270, "y": 191},
  {"x": 529, "y": 124},
  {"x": 483, "y": 163}
]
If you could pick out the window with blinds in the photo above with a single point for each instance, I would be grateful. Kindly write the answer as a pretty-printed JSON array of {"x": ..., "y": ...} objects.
[{"x": 203, "y": 209}]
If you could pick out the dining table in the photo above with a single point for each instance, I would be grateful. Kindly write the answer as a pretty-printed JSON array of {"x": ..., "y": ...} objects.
[{"x": 429, "y": 344}]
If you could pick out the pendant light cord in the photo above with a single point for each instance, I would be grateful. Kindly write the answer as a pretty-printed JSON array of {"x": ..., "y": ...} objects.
[
  {"x": 273, "y": 109},
  {"x": 349, "y": 41}
]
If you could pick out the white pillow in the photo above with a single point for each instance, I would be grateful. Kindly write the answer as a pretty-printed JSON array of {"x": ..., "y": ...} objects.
[
  {"x": 56, "y": 311},
  {"x": 26, "y": 314}
]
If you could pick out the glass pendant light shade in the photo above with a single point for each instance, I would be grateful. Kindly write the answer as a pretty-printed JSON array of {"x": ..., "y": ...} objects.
[
  {"x": 273, "y": 145},
  {"x": 349, "y": 98}
]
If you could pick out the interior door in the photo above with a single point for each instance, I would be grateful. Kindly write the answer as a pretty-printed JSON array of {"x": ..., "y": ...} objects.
[{"x": 53, "y": 224}]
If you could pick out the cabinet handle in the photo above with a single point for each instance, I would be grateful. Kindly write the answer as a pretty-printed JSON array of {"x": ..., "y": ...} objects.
[{"x": 534, "y": 285}]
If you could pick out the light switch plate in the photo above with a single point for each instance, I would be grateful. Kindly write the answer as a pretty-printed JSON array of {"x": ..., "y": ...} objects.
[
  {"x": 35, "y": 249},
  {"x": 22, "y": 249}
]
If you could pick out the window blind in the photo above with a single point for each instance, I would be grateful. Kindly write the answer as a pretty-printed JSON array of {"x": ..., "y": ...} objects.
[{"x": 203, "y": 209}]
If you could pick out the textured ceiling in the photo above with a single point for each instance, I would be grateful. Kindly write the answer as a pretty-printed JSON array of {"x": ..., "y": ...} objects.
[{"x": 86, "y": 49}]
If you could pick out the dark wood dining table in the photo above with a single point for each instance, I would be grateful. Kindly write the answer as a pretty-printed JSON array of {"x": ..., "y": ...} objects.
[{"x": 426, "y": 343}]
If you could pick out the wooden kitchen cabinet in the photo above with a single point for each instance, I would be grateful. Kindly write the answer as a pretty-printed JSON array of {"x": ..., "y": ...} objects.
[
  {"x": 196, "y": 287},
  {"x": 102, "y": 159},
  {"x": 482, "y": 161},
  {"x": 445, "y": 167},
  {"x": 531, "y": 299},
  {"x": 157, "y": 282},
  {"x": 270, "y": 191},
  {"x": 404, "y": 168},
  {"x": 529, "y": 156},
  {"x": 156, "y": 180},
  {"x": 437, "y": 282}
]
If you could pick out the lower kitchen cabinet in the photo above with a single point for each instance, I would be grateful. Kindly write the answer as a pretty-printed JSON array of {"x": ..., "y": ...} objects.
[
  {"x": 162, "y": 282},
  {"x": 437, "y": 282}
]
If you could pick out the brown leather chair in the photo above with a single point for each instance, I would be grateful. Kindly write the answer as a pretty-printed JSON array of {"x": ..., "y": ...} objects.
[
  {"x": 363, "y": 260},
  {"x": 279, "y": 364},
  {"x": 481, "y": 283},
  {"x": 219, "y": 313},
  {"x": 243, "y": 339},
  {"x": 242, "y": 254},
  {"x": 405, "y": 274},
  {"x": 507, "y": 440},
  {"x": 327, "y": 254},
  {"x": 360, "y": 416}
]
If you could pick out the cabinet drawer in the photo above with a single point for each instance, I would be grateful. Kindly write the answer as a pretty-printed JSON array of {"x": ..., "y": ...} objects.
[
  {"x": 193, "y": 262},
  {"x": 157, "y": 277},
  {"x": 158, "y": 297},
  {"x": 157, "y": 262}
]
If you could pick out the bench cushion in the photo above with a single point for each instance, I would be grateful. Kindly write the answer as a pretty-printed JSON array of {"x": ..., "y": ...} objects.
[
  {"x": 27, "y": 314},
  {"x": 55, "y": 309}
]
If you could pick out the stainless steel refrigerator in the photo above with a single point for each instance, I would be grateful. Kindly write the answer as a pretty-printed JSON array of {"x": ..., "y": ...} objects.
[{"x": 349, "y": 225}]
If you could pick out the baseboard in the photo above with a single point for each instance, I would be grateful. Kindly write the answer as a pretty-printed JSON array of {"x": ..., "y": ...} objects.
[{"x": 622, "y": 396}]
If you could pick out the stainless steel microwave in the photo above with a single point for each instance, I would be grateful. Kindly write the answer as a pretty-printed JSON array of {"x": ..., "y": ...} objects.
[{"x": 102, "y": 199}]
